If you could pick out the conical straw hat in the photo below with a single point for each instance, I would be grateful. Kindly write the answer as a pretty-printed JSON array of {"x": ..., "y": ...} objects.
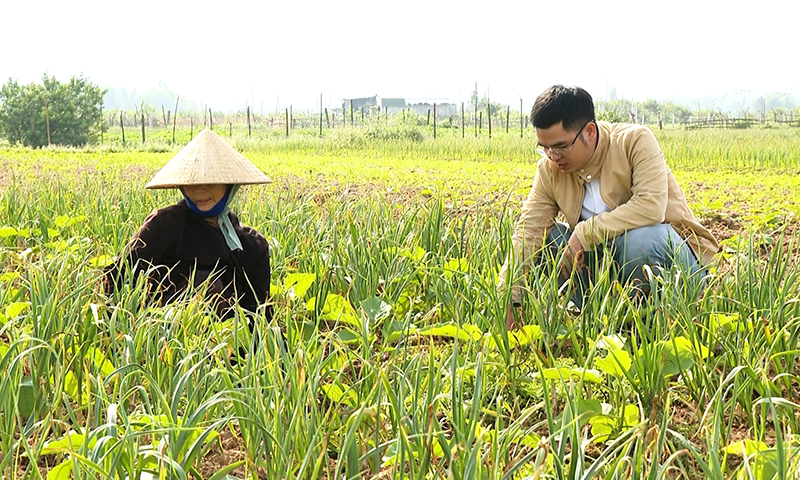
[{"x": 207, "y": 159}]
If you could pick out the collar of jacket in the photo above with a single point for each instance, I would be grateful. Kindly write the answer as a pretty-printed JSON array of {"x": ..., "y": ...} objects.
[{"x": 590, "y": 171}]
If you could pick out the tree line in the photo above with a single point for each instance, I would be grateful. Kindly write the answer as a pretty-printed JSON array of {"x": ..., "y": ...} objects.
[{"x": 51, "y": 113}]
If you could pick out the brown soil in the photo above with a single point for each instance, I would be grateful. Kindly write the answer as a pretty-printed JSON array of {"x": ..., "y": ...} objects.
[
  {"x": 227, "y": 450},
  {"x": 5, "y": 175}
]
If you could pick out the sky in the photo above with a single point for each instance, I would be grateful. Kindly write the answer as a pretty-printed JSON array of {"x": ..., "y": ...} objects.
[{"x": 272, "y": 54}]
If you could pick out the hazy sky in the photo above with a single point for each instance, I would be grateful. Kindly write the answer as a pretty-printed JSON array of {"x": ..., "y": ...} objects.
[{"x": 288, "y": 52}]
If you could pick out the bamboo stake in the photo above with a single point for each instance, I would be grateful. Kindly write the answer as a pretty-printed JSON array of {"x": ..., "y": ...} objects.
[
  {"x": 489, "y": 115},
  {"x": 122, "y": 125},
  {"x": 434, "y": 121},
  {"x": 475, "y": 120},
  {"x": 175, "y": 118},
  {"x": 47, "y": 118},
  {"x": 462, "y": 120}
]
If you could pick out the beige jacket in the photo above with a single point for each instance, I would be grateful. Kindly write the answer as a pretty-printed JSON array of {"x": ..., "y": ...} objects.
[{"x": 635, "y": 183}]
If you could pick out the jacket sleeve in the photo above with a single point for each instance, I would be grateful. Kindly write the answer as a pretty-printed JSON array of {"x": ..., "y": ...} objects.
[
  {"x": 252, "y": 270},
  {"x": 144, "y": 253},
  {"x": 649, "y": 195},
  {"x": 538, "y": 216}
]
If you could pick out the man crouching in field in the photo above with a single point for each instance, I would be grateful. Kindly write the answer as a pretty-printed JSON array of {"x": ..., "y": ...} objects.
[{"x": 613, "y": 186}]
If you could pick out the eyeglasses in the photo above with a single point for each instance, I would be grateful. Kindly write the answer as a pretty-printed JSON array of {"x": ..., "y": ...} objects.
[{"x": 560, "y": 151}]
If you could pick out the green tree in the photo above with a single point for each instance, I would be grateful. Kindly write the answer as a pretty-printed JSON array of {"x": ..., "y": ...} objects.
[
  {"x": 70, "y": 111},
  {"x": 495, "y": 108},
  {"x": 612, "y": 110},
  {"x": 780, "y": 100},
  {"x": 649, "y": 107},
  {"x": 675, "y": 110}
]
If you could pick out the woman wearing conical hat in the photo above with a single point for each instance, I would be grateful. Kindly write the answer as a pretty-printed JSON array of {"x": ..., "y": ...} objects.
[{"x": 198, "y": 239}]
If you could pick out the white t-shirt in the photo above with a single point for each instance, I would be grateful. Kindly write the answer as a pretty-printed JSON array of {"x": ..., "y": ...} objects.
[{"x": 592, "y": 203}]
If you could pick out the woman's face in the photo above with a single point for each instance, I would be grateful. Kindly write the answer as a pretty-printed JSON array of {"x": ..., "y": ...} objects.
[{"x": 205, "y": 196}]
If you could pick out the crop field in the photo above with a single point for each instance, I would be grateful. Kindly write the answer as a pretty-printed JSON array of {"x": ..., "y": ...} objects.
[{"x": 387, "y": 356}]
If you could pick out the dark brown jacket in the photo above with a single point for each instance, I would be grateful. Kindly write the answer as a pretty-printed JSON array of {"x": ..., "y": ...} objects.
[{"x": 174, "y": 246}]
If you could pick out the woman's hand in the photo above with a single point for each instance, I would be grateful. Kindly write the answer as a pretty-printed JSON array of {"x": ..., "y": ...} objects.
[{"x": 511, "y": 317}]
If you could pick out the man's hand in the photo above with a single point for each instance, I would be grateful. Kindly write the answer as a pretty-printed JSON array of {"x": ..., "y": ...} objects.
[{"x": 573, "y": 256}]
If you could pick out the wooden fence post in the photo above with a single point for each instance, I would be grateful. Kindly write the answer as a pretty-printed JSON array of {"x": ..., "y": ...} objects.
[
  {"x": 143, "y": 136},
  {"x": 434, "y": 121},
  {"x": 287, "y": 123},
  {"x": 164, "y": 116},
  {"x": 47, "y": 118},
  {"x": 351, "y": 112},
  {"x": 249, "y": 131},
  {"x": 508, "y": 116},
  {"x": 475, "y": 119},
  {"x": 175, "y": 118},
  {"x": 489, "y": 115},
  {"x": 462, "y": 120},
  {"x": 122, "y": 126},
  {"x": 211, "y": 119},
  {"x": 191, "y": 127}
]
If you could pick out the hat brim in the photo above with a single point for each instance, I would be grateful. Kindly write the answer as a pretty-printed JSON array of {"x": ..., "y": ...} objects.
[{"x": 207, "y": 159}]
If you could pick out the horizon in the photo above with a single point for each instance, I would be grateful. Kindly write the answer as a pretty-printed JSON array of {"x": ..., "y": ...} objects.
[{"x": 734, "y": 101}]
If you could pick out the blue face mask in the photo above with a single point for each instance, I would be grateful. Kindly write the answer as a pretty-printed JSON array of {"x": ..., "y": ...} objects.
[
  {"x": 220, "y": 211},
  {"x": 215, "y": 211}
]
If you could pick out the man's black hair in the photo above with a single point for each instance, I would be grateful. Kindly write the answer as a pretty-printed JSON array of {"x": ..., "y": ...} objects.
[{"x": 572, "y": 106}]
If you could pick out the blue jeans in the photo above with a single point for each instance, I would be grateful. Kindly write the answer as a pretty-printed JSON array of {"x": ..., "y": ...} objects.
[{"x": 658, "y": 246}]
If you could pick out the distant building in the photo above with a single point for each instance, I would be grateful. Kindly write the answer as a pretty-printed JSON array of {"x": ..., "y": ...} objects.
[
  {"x": 397, "y": 105},
  {"x": 358, "y": 104},
  {"x": 392, "y": 105},
  {"x": 442, "y": 109}
]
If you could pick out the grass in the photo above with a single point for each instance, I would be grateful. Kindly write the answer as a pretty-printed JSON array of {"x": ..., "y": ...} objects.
[{"x": 387, "y": 356}]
